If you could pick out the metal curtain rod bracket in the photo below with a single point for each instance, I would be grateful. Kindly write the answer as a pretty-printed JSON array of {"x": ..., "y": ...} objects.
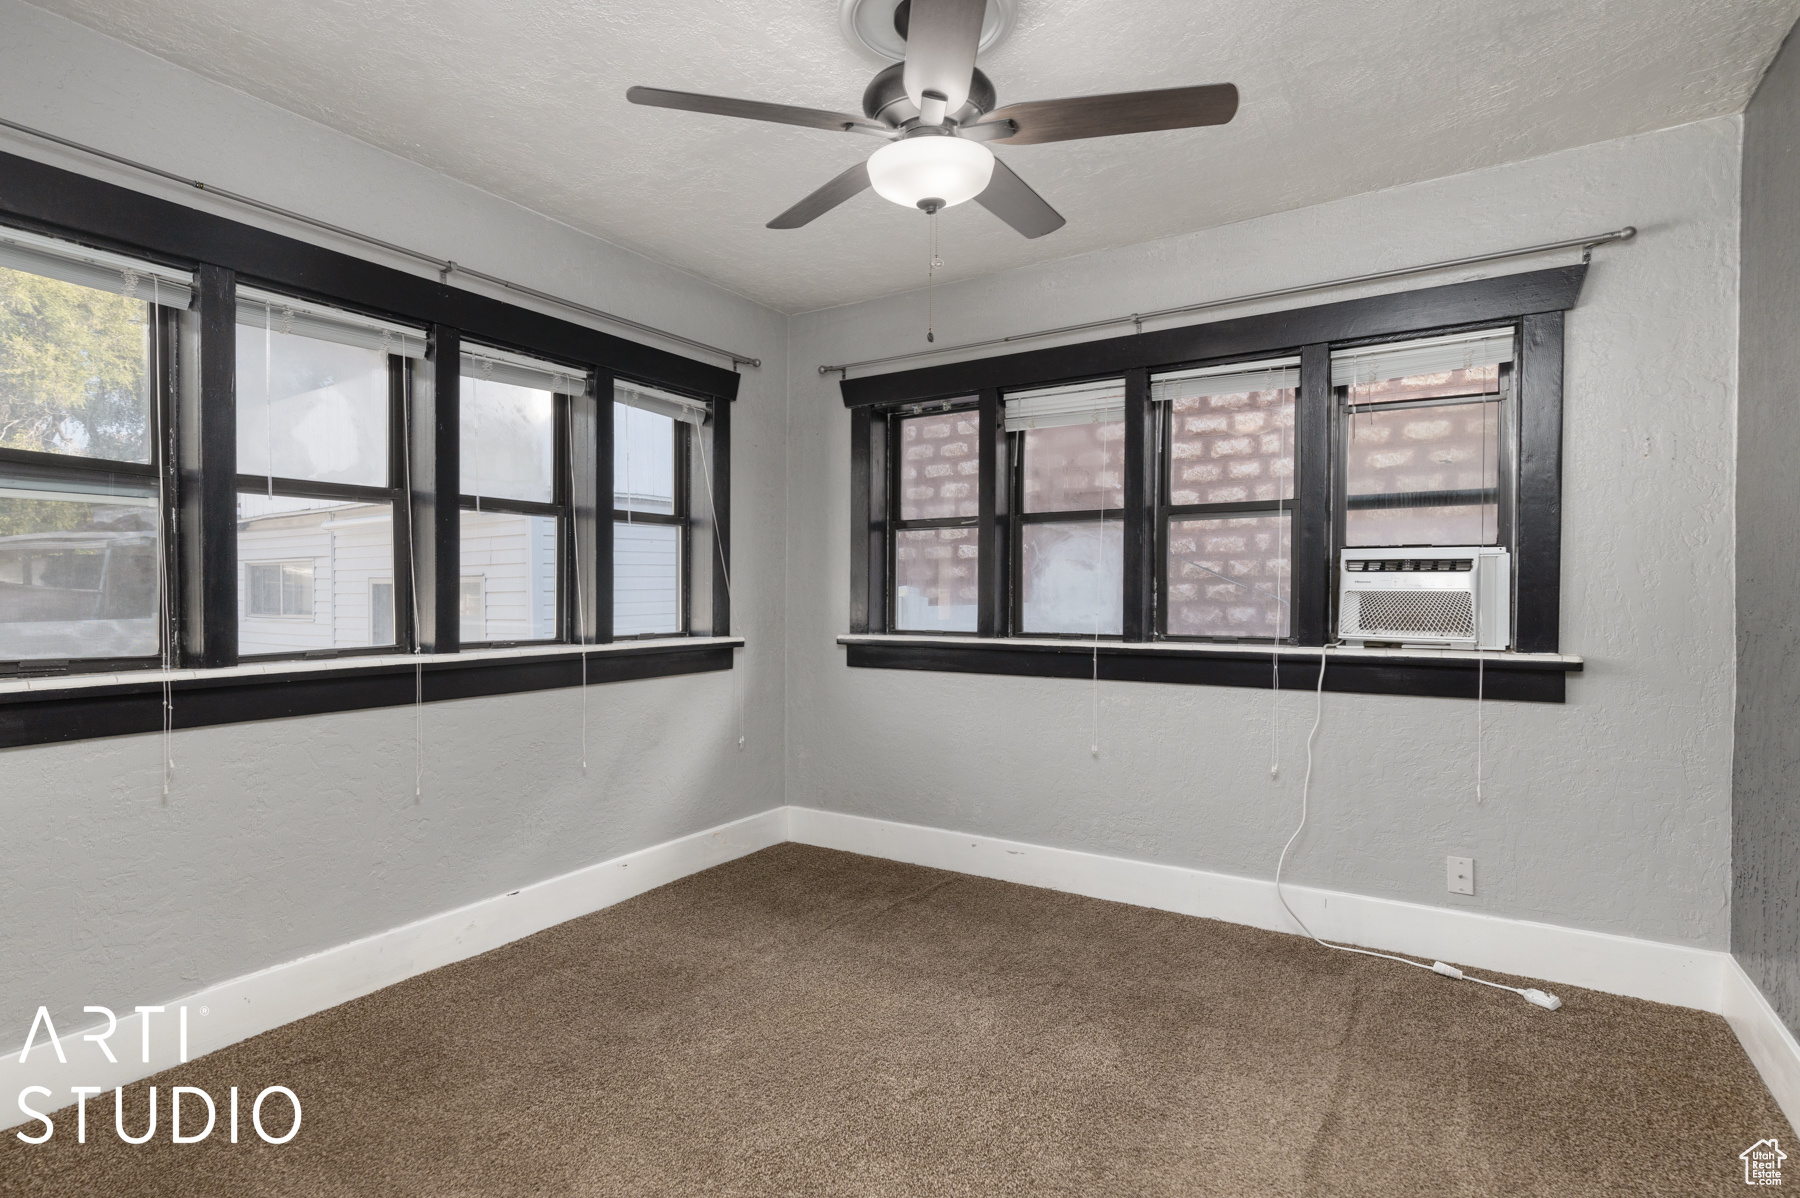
[
  {"x": 1587, "y": 246},
  {"x": 444, "y": 266}
]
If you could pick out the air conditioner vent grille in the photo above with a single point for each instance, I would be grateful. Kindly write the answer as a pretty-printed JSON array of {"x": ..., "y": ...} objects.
[{"x": 1412, "y": 613}]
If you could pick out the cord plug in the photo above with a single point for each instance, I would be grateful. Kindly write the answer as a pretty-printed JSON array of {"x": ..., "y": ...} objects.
[
  {"x": 1547, "y": 1001},
  {"x": 1449, "y": 971}
]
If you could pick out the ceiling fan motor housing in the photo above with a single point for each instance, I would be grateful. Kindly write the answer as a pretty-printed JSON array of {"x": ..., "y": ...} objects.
[{"x": 885, "y": 98}]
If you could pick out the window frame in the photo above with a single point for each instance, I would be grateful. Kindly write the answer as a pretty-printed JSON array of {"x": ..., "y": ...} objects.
[
  {"x": 682, "y": 447},
  {"x": 1532, "y": 302},
  {"x": 1162, "y": 434},
  {"x": 560, "y": 508},
  {"x": 162, "y": 376},
  {"x": 1014, "y": 582},
  {"x": 394, "y": 494},
  {"x": 196, "y": 441},
  {"x": 896, "y": 526}
]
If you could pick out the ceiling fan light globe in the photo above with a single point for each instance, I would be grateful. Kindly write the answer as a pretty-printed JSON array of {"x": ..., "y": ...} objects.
[{"x": 947, "y": 169}]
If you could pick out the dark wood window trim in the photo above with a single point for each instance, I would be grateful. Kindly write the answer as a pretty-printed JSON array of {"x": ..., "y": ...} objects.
[
  {"x": 71, "y": 709},
  {"x": 200, "y": 523},
  {"x": 1531, "y": 678},
  {"x": 1533, "y": 301}
]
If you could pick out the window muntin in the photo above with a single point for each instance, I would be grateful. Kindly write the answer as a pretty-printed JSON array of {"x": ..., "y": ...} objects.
[
  {"x": 513, "y": 412},
  {"x": 1225, "y": 498},
  {"x": 936, "y": 557},
  {"x": 1424, "y": 429},
  {"x": 652, "y": 446},
  {"x": 85, "y": 366}
]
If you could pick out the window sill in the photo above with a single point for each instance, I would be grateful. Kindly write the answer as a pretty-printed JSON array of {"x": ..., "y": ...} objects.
[
  {"x": 83, "y": 706},
  {"x": 1440, "y": 673}
]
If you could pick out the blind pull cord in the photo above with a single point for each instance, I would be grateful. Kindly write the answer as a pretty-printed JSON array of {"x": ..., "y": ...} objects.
[
  {"x": 724, "y": 569},
  {"x": 1099, "y": 571},
  {"x": 412, "y": 571},
  {"x": 162, "y": 504}
]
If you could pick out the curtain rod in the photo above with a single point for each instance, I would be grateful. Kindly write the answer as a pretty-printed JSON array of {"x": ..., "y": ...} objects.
[
  {"x": 445, "y": 267},
  {"x": 1587, "y": 245}
]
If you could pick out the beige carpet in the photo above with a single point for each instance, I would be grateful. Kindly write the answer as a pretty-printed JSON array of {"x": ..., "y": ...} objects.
[{"x": 804, "y": 1022}]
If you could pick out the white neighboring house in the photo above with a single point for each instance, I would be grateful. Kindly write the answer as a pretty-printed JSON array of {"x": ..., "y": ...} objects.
[{"x": 321, "y": 576}]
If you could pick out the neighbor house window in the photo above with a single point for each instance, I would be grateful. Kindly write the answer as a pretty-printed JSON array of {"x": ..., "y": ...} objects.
[
  {"x": 280, "y": 588},
  {"x": 652, "y": 446},
  {"x": 1068, "y": 500},
  {"x": 319, "y": 393},
  {"x": 936, "y": 553},
  {"x": 1425, "y": 429},
  {"x": 85, "y": 372},
  {"x": 515, "y": 489},
  {"x": 1225, "y": 499}
]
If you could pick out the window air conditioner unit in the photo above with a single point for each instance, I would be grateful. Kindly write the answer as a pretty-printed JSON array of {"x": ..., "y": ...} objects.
[{"x": 1446, "y": 598}]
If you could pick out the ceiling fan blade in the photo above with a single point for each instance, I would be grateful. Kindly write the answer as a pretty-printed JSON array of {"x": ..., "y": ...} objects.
[
  {"x": 941, "y": 39},
  {"x": 756, "y": 110},
  {"x": 1107, "y": 116},
  {"x": 848, "y": 185},
  {"x": 1011, "y": 199}
]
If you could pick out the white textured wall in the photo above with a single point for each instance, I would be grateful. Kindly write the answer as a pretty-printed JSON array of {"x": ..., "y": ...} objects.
[
  {"x": 1611, "y": 812},
  {"x": 287, "y": 837}
]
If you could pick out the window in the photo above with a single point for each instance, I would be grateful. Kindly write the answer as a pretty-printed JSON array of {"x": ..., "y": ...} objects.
[
  {"x": 652, "y": 443},
  {"x": 85, "y": 353},
  {"x": 513, "y": 413},
  {"x": 319, "y": 392},
  {"x": 1425, "y": 428},
  {"x": 935, "y": 550},
  {"x": 1225, "y": 499},
  {"x": 1196, "y": 484},
  {"x": 1069, "y": 497},
  {"x": 280, "y": 588}
]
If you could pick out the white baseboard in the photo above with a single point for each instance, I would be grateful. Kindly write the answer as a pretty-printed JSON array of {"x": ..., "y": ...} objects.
[
  {"x": 1668, "y": 973},
  {"x": 257, "y": 1002},
  {"x": 1766, "y": 1039},
  {"x": 247, "y": 1006}
]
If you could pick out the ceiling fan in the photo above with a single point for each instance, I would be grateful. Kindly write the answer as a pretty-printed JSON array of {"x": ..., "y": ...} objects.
[{"x": 936, "y": 112}]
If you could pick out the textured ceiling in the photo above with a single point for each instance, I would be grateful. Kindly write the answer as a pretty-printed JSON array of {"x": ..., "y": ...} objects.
[{"x": 525, "y": 98}]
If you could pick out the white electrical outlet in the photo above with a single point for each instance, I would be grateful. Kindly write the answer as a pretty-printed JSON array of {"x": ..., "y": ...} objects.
[{"x": 1459, "y": 872}]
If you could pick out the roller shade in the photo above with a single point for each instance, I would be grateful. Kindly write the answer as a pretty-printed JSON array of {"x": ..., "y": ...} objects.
[
  {"x": 663, "y": 403},
  {"x": 1053, "y": 407},
  {"x": 299, "y": 318},
  {"x": 1432, "y": 355},
  {"x": 1273, "y": 374},
  {"x": 71, "y": 263},
  {"x": 519, "y": 370}
]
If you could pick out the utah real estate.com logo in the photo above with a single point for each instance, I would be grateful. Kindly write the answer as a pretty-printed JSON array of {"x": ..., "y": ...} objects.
[{"x": 1762, "y": 1163}]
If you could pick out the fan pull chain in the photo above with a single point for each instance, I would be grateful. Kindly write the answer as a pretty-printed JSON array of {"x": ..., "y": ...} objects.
[{"x": 931, "y": 268}]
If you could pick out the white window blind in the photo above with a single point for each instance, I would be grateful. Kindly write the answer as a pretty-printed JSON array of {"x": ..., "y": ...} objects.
[
  {"x": 663, "y": 403},
  {"x": 71, "y": 263},
  {"x": 1053, "y": 407},
  {"x": 1273, "y": 374},
  {"x": 520, "y": 370},
  {"x": 1432, "y": 355},
  {"x": 300, "y": 318}
]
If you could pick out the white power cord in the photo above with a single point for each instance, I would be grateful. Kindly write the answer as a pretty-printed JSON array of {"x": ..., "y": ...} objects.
[{"x": 1548, "y": 1001}]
